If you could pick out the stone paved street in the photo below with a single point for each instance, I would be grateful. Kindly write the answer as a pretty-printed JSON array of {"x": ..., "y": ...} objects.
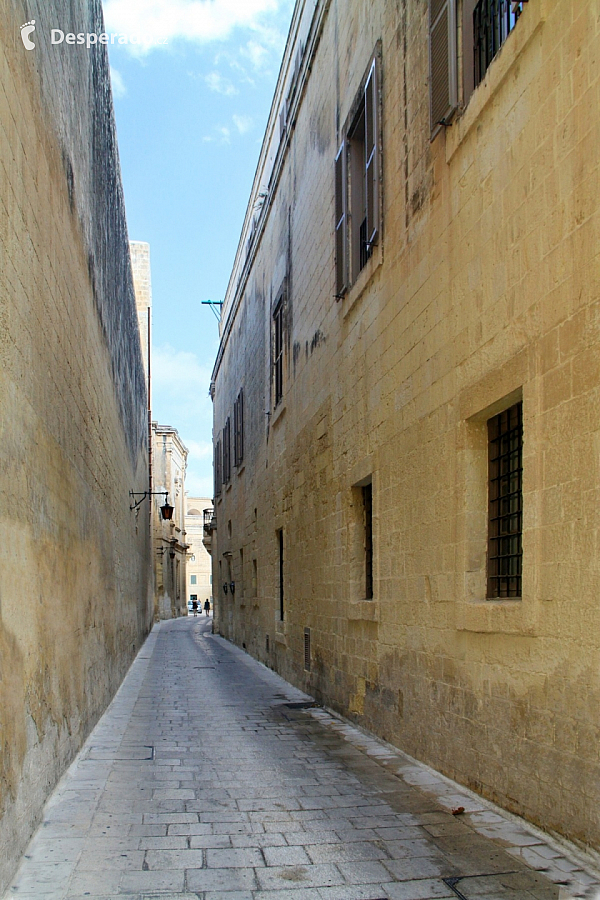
[{"x": 203, "y": 780}]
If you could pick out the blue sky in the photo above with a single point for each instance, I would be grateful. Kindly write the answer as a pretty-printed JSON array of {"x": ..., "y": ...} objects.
[{"x": 190, "y": 119}]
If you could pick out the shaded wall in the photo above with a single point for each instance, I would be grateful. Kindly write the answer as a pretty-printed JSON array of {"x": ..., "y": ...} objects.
[{"x": 75, "y": 604}]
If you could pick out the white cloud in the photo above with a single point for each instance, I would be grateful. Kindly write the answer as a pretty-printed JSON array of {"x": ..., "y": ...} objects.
[
  {"x": 257, "y": 53},
  {"x": 222, "y": 135},
  {"x": 196, "y": 484},
  {"x": 200, "y": 21},
  {"x": 220, "y": 85},
  {"x": 200, "y": 449},
  {"x": 178, "y": 371},
  {"x": 118, "y": 85},
  {"x": 243, "y": 123}
]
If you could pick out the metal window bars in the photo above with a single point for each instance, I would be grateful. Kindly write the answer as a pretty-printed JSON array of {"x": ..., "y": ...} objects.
[
  {"x": 505, "y": 545},
  {"x": 493, "y": 20}
]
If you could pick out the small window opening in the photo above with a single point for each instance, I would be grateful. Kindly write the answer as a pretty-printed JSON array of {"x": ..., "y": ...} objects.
[
  {"x": 307, "y": 649},
  {"x": 281, "y": 594},
  {"x": 367, "y": 492},
  {"x": 505, "y": 523}
]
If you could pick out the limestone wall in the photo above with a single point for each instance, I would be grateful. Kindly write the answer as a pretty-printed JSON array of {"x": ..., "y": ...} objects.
[
  {"x": 484, "y": 286},
  {"x": 75, "y": 604}
]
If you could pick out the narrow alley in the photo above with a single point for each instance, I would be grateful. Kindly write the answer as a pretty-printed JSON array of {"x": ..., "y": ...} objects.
[{"x": 210, "y": 777}]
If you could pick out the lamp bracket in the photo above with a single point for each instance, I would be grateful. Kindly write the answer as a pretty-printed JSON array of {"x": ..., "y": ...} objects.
[{"x": 143, "y": 494}]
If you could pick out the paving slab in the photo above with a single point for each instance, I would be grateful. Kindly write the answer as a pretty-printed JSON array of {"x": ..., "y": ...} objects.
[{"x": 201, "y": 782}]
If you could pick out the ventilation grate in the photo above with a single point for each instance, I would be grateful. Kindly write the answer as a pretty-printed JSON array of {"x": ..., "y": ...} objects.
[{"x": 307, "y": 649}]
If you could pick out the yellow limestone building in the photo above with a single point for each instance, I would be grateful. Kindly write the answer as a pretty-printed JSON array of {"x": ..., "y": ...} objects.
[
  {"x": 406, "y": 394},
  {"x": 169, "y": 464},
  {"x": 199, "y": 567}
]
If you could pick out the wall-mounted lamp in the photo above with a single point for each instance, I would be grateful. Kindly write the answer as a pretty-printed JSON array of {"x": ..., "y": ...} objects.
[
  {"x": 232, "y": 587},
  {"x": 172, "y": 553},
  {"x": 166, "y": 509},
  {"x": 225, "y": 588}
]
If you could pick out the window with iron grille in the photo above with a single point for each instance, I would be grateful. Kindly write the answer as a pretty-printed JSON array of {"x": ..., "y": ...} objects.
[
  {"x": 307, "y": 649},
  {"x": 238, "y": 429},
  {"x": 218, "y": 468},
  {"x": 281, "y": 594},
  {"x": 278, "y": 348},
  {"x": 493, "y": 20},
  {"x": 367, "y": 493},
  {"x": 505, "y": 523},
  {"x": 227, "y": 452}
]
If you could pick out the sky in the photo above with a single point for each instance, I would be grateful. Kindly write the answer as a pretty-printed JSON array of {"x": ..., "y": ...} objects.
[{"x": 192, "y": 99}]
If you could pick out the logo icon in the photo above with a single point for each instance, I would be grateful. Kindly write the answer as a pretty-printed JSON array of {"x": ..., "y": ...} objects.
[{"x": 27, "y": 29}]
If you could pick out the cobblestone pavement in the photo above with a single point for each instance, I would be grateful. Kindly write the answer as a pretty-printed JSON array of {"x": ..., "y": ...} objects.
[{"x": 206, "y": 779}]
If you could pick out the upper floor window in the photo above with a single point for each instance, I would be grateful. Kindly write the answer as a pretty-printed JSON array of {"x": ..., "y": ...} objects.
[
  {"x": 238, "y": 429},
  {"x": 443, "y": 63},
  {"x": 357, "y": 186},
  {"x": 218, "y": 468},
  {"x": 485, "y": 26},
  {"x": 278, "y": 350},
  {"x": 492, "y": 22},
  {"x": 227, "y": 452}
]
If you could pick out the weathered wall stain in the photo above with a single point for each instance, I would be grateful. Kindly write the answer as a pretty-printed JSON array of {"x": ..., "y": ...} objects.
[
  {"x": 75, "y": 600},
  {"x": 483, "y": 287}
]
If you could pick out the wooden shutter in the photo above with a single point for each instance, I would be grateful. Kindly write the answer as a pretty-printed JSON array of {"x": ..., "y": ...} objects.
[
  {"x": 238, "y": 429},
  {"x": 443, "y": 81},
  {"x": 218, "y": 469},
  {"x": 341, "y": 223},
  {"x": 371, "y": 138},
  {"x": 227, "y": 452},
  {"x": 235, "y": 433}
]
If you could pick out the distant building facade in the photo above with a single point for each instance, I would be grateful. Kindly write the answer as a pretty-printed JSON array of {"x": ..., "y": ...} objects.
[
  {"x": 75, "y": 592},
  {"x": 406, "y": 392},
  {"x": 199, "y": 568},
  {"x": 169, "y": 456}
]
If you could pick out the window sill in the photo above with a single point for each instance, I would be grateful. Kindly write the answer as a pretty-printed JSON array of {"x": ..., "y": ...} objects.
[
  {"x": 498, "y": 617},
  {"x": 531, "y": 20},
  {"x": 359, "y": 287},
  {"x": 364, "y": 611},
  {"x": 278, "y": 413},
  {"x": 241, "y": 469},
  {"x": 280, "y": 637}
]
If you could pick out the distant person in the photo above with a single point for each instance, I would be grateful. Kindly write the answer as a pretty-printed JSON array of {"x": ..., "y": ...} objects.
[
  {"x": 207, "y": 606},
  {"x": 195, "y": 607}
]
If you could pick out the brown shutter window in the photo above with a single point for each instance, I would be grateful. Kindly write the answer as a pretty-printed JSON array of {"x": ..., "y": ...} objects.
[
  {"x": 443, "y": 82},
  {"x": 238, "y": 429},
  {"x": 371, "y": 179},
  {"x": 227, "y": 452},
  {"x": 341, "y": 218},
  {"x": 218, "y": 472}
]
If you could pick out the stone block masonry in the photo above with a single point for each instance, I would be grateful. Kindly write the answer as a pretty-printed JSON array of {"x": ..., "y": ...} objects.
[
  {"x": 209, "y": 778},
  {"x": 357, "y": 530},
  {"x": 75, "y": 603}
]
